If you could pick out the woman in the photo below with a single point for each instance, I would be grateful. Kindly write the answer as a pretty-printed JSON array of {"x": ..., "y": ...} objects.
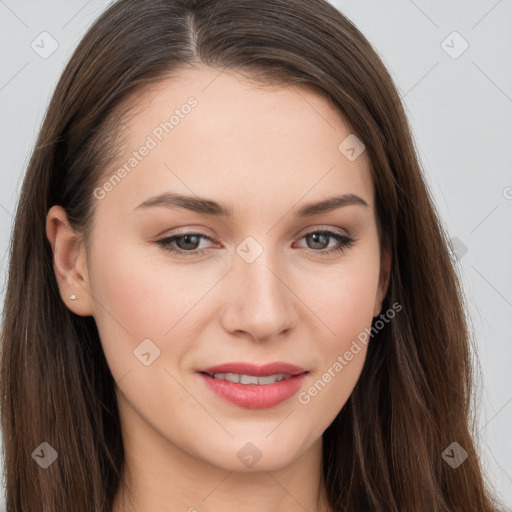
[{"x": 239, "y": 292}]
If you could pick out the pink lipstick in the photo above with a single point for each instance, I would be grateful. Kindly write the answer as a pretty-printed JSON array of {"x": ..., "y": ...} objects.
[{"x": 254, "y": 387}]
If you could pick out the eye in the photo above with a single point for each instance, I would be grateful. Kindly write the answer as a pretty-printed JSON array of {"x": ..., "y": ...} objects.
[
  {"x": 189, "y": 243},
  {"x": 320, "y": 241}
]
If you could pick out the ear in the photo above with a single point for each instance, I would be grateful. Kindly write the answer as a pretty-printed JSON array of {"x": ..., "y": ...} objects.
[
  {"x": 385, "y": 272},
  {"x": 69, "y": 262}
]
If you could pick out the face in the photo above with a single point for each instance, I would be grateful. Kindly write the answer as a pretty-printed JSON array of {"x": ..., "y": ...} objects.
[{"x": 244, "y": 271}]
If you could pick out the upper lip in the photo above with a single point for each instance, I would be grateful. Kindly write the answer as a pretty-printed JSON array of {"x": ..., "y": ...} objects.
[{"x": 242, "y": 368}]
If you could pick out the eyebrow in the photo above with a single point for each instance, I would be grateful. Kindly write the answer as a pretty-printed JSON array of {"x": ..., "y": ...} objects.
[{"x": 209, "y": 207}]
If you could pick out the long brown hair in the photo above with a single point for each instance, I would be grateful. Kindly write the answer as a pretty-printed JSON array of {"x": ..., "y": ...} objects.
[{"x": 383, "y": 452}]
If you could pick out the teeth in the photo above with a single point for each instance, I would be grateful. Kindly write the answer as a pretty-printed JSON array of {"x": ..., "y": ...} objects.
[
  {"x": 248, "y": 379},
  {"x": 251, "y": 379}
]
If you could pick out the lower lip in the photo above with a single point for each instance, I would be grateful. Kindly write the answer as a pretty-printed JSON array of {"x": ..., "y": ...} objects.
[{"x": 255, "y": 396}]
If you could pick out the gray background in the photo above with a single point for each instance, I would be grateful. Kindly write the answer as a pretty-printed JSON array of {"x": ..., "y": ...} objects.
[{"x": 460, "y": 108}]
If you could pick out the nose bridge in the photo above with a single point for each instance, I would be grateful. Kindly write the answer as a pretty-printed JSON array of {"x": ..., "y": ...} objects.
[{"x": 258, "y": 302}]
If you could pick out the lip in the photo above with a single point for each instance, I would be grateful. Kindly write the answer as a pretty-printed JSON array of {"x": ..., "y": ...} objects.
[
  {"x": 252, "y": 369},
  {"x": 254, "y": 396}
]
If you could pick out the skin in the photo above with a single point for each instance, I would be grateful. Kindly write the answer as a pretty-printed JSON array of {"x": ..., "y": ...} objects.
[{"x": 264, "y": 152}]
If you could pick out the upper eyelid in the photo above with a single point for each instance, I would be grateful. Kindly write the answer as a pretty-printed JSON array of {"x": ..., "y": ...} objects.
[{"x": 336, "y": 231}]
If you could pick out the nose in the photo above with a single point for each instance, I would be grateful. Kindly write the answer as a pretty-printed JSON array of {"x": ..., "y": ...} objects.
[{"x": 257, "y": 302}]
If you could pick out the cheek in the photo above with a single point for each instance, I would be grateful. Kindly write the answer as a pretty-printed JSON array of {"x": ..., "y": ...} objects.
[
  {"x": 127, "y": 306},
  {"x": 342, "y": 353},
  {"x": 139, "y": 296},
  {"x": 326, "y": 393},
  {"x": 345, "y": 303},
  {"x": 343, "y": 298},
  {"x": 137, "y": 290}
]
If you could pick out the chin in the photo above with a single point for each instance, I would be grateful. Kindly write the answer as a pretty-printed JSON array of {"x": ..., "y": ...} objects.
[{"x": 259, "y": 454}]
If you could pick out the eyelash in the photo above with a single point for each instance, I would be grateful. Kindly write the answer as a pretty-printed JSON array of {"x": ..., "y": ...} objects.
[{"x": 344, "y": 242}]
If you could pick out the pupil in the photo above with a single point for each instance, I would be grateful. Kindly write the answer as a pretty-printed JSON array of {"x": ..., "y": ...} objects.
[
  {"x": 315, "y": 237},
  {"x": 187, "y": 241}
]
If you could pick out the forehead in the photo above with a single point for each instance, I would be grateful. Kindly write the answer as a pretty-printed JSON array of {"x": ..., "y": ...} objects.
[{"x": 214, "y": 132}]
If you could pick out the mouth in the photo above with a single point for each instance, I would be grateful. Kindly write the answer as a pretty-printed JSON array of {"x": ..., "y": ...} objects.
[
  {"x": 254, "y": 387},
  {"x": 254, "y": 370},
  {"x": 249, "y": 379}
]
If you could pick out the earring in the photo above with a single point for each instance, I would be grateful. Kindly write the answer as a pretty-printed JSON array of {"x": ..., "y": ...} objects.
[{"x": 72, "y": 297}]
